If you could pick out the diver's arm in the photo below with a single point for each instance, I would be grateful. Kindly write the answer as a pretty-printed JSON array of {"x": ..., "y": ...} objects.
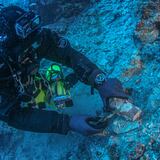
[
  {"x": 36, "y": 120},
  {"x": 58, "y": 49},
  {"x": 42, "y": 121}
]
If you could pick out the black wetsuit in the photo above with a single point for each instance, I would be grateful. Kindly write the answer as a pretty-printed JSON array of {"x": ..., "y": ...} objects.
[{"x": 55, "y": 48}]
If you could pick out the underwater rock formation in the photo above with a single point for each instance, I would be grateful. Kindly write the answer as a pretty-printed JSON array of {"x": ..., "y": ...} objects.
[
  {"x": 148, "y": 30},
  {"x": 105, "y": 33},
  {"x": 149, "y": 26},
  {"x": 54, "y": 10}
]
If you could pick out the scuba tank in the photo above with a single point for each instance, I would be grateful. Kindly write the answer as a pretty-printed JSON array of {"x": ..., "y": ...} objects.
[{"x": 61, "y": 96}]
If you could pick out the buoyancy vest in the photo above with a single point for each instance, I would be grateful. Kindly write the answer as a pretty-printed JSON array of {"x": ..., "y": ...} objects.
[
  {"x": 52, "y": 91},
  {"x": 42, "y": 90}
]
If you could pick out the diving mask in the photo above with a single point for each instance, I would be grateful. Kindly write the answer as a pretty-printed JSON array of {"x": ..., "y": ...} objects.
[{"x": 27, "y": 24}]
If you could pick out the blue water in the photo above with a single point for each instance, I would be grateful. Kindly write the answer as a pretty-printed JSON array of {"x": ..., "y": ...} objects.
[{"x": 106, "y": 32}]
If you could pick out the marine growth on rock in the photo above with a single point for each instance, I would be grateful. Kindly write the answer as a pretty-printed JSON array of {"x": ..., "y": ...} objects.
[{"x": 123, "y": 38}]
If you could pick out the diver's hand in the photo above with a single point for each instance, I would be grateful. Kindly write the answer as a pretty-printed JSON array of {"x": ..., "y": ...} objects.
[
  {"x": 111, "y": 88},
  {"x": 107, "y": 87},
  {"x": 79, "y": 123}
]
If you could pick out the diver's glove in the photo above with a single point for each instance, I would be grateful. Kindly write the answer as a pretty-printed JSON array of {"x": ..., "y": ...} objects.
[
  {"x": 80, "y": 124},
  {"x": 111, "y": 88},
  {"x": 107, "y": 87}
]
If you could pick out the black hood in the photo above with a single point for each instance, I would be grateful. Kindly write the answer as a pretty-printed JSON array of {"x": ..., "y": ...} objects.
[{"x": 8, "y": 17}]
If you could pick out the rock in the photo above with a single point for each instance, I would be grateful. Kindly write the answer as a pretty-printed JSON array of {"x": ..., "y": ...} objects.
[
  {"x": 103, "y": 31},
  {"x": 99, "y": 151},
  {"x": 154, "y": 99},
  {"x": 120, "y": 126}
]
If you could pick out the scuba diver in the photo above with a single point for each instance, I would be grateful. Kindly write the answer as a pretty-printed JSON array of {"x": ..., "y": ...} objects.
[{"x": 25, "y": 93}]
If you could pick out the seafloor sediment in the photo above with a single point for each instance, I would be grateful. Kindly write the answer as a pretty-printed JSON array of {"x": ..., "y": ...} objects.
[{"x": 106, "y": 32}]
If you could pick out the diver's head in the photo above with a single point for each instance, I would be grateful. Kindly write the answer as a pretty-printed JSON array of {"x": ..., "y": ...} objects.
[
  {"x": 16, "y": 25},
  {"x": 8, "y": 17}
]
